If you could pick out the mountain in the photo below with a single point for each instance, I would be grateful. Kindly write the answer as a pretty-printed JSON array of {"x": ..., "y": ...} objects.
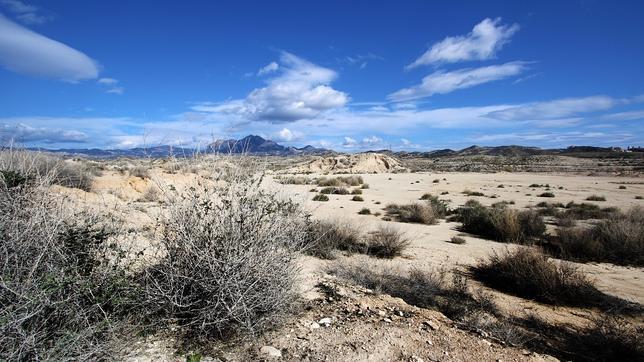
[
  {"x": 252, "y": 145},
  {"x": 521, "y": 151}
]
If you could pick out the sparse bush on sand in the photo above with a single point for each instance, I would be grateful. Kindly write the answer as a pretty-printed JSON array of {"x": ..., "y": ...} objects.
[
  {"x": 386, "y": 242},
  {"x": 618, "y": 239},
  {"x": 340, "y": 181},
  {"x": 530, "y": 274},
  {"x": 595, "y": 198},
  {"x": 356, "y": 192},
  {"x": 325, "y": 237},
  {"x": 501, "y": 223},
  {"x": 546, "y": 194},
  {"x": 357, "y": 198},
  {"x": 457, "y": 240},
  {"x": 320, "y": 197},
  {"x": 140, "y": 171},
  {"x": 364, "y": 211},
  {"x": 414, "y": 213}
]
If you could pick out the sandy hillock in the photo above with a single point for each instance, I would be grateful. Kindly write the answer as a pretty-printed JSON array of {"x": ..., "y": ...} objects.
[{"x": 356, "y": 163}]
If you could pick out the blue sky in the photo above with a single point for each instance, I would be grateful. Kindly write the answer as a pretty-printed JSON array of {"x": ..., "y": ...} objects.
[{"x": 356, "y": 75}]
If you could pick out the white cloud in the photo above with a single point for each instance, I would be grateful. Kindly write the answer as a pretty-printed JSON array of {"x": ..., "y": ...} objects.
[
  {"x": 286, "y": 135},
  {"x": 349, "y": 142},
  {"x": 560, "y": 108},
  {"x": 486, "y": 38},
  {"x": 300, "y": 91},
  {"x": 625, "y": 116},
  {"x": 112, "y": 85},
  {"x": 555, "y": 138},
  {"x": 28, "y": 14},
  {"x": 24, "y": 51},
  {"x": 21, "y": 132},
  {"x": 441, "y": 82},
  {"x": 270, "y": 68},
  {"x": 405, "y": 141},
  {"x": 367, "y": 142}
]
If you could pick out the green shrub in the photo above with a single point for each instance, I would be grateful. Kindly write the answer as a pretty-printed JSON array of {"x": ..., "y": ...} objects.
[
  {"x": 320, "y": 197},
  {"x": 501, "y": 223}
]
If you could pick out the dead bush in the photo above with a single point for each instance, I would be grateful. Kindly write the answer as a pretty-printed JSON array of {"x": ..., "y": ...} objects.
[
  {"x": 414, "y": 213},
  {"x": 325, "y": 237},
  {"x": 530, "y": 274},
  {"x": 227, "y": 259}
]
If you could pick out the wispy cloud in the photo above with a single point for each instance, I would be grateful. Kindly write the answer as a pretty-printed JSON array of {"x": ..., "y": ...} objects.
[
  {"x": 625, "y": 116},
  {"x": 555, "y": 138},
  {"x": 441, "y": 82},
  {"x": 300, "y": 90},
  {"x": 559, "y": 108},
  {"x": 486, "y": 38},
  {"x": 26, "y": 13},
  {"x": 24, "y": 51},
  {"x": 269, "y": 68},
  {"x": 112, "y": 85}
]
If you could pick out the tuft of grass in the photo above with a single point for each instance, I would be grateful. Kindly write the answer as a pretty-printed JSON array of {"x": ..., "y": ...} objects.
[
  {"x": 595, "y": 198},
  {"x": 472, "y": 193},
  {"x": 530, "y": 274},
  {"x": 586, "y": 210},
  {"x": 457, "y": 240},
  {"x": 357, "y": 198},
  {"x": 364, "y": 211},
  {"x": 356, "y": 192},
  {"x": 340, "y": 181}
]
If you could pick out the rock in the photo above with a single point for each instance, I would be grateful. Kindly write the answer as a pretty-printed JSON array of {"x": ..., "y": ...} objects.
[
  {"x": 386, "y": 320},
  {"x": 314, "y": 325},
  {"x": 325, "y": 321},
  {"x": 270, "y": 351},
  {"x": 431, "y": 324},
  {"x": 382, "y": 313}
]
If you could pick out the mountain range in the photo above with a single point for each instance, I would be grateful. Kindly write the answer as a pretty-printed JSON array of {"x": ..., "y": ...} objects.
[{"x": 256, "y": 145}]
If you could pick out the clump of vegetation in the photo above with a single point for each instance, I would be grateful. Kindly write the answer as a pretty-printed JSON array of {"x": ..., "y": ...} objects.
[
  {"x": 340, "y": 181},
  {"x": 595, "y": 198},
  {"x": 357, "y": 198},
  {"x": 356, "y": 192},
  {"x": 294, "y": 180},
  {"x": 530, "y": 274},
  {"x": 457, "y": 240},
  {"x": 585, "y": 211},
  {"x": 320, "y": 197},
  {"x": 539, "y": 185},
  {"x": 501, "y": 186},
  {"x": 65, "y": 289},
  {"x": 472, "y": 193},
  {"x": 151, "y": 194},
  {"x": 639, "y": 197},
  {"x": 140, "y": 172},
  {"x": 364, "y": 211},
  {"x": 386, "y": 242},
  {"x": 414, "y": 213},
  {"x": 364, "y": 186},
  {"x": 622, "y": 187},
  {"x": 325, "y": 237},
  {"x": 618, "y": 239},
  {"x": 501, "y": 223},
  {"x": 436, "y": 181},
  {"x": 546, "y": 194},
  {"x": 445, "y": 193},
  {"x": 335, "y": 191}
]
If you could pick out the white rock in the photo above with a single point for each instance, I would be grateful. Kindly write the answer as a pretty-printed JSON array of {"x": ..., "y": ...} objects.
[
  {"x": 270, "y": 351},
  {"x": 325, "y": 321}
]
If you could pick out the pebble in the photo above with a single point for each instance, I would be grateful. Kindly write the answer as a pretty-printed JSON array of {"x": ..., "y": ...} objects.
[{"x": 325, "y": 321}]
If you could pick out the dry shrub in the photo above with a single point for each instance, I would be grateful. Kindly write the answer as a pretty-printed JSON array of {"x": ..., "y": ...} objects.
[
  {"x": 530, "y": 274},
  {"x": 294, "y": 180},
  {"x": 356, "y": 192},
  {"x": 325, "y": 237},
  {"x": 414, "y": 213},
  {"x": 386, "y": 242},
  {"x": 334, "y": 191},
  {"x": 140, "y": 172},
  {"x": 618, "y": 239},
  {"x": 340, "y": 181},
  {"x": 357, "y": 198},
  {"x": 501, "y": 223},
  {"x": 546, "y": 194},
  {"x": 595, "y": 198},
  {"x": 364, "y": 211},
  {"x": 320, "y": 197},
  {"x": 457, "y": 240},
  {"x": 585, "y": 211},
  {"x": 227, "y": 260},
  {"x": 29, "y": 166},
  {"x": 151, "y": 194},
  {"x": 64, "y": 291}
]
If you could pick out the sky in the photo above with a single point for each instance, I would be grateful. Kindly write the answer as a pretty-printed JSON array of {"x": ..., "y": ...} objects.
[{"x": 344, "y": 75}]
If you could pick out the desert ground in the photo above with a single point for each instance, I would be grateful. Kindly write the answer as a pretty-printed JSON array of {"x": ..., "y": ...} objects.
[{"x": 341, "y": 320}]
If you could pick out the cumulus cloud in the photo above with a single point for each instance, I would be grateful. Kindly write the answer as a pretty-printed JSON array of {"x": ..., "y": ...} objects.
[
  {"x": 26, "y": 13},
  {"x": 286, "y": 135},
  {"x": 300, "y": 91},
  {"x": 24, "y": 133},
  {"x": 269, "y": 68},
  {"x": 367, "y": 142},
  {"x": 24, "y": 51},
  {"x": 559, "y": 108},
  {"x": 486, "y": 38},
  {"x": 442, "y": 82}
]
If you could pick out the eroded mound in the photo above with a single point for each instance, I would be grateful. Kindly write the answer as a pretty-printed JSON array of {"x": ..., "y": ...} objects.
[{"x": 357, "y": 163}]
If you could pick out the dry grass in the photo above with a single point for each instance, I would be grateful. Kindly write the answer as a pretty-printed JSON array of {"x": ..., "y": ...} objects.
[
  {"x": 501, "y": 223},
  {"x": 618, "y": 239},
  {"x": 386, "y": 242},
  {"x": 414, "y": 213},
  {"x": 340, "y": 181},
  {"x": 320, "y": 197},
  {"x": 530, "y": 274},
  {"x": 595, "y": 198}
]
